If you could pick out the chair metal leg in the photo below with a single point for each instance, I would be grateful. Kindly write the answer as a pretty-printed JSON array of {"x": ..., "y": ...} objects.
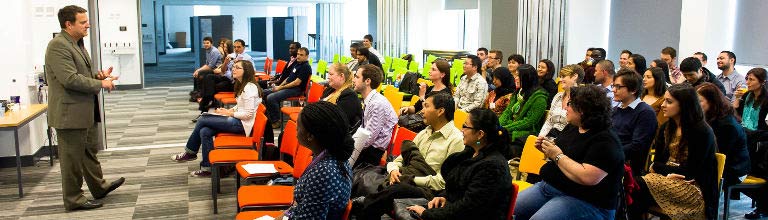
[
  {"x": 214, "y": 187},
  {"x": 726, "y": 202},
  {"x": 237, "y": 188}
]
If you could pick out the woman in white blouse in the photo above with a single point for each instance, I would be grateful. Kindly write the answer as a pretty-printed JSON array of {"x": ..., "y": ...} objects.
[
  {"x": 239, "y": 119},
  {"x": 570, "y": 76}
]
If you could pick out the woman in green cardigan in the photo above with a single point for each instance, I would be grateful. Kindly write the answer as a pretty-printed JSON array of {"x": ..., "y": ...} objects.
[{"x": 525, "y": 111}]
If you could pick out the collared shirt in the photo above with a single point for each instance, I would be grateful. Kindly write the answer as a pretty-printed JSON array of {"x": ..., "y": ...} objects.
[
  {"x": 556, "y": 117},
  {"x": 242, "y": 56},
  {"x": 471, "y": 92},
  {"x": 675, "y": 76},
  {"x": 609, "y": 94},
  {"x": 632, "y": 104},
  {"x": 212, "y": 58},
  {"x": 379, "y": 118},
  {"x": 731, "y": 82},
  {"x": 353, "y": 65},
  {"x": 435, "y": 146}
]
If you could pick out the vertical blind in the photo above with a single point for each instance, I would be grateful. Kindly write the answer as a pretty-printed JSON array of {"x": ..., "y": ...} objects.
[
  {"x": 542, "y": 30},
  {"x": 392, "y": 27},
  {"x": 330, "y": 30}
]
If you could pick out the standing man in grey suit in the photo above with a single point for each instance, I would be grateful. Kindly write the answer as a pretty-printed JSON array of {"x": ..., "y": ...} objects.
[{"x": 74, "y": 111}]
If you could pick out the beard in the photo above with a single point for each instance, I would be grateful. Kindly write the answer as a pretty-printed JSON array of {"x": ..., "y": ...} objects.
[{"x": 724, "y": 67}]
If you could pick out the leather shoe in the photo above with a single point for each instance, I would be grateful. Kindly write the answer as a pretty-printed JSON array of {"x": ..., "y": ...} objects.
[
  {"x": 756, "y": 215},
  {"x": 90, "y": 204},
  {"x": 117, "y": 183}
]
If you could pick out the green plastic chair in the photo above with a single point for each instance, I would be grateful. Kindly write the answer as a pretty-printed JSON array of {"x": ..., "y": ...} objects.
[
  {"x": 431, "y": 58},
  {"x": 346, "y": 59},
  {"x": 336, "y": 58},
  {"x": 398, "y": 63},
  {"x": 387, "y": 65},
  {"x": 322, "y": 67},
  {"x": 414, "y": 67}
]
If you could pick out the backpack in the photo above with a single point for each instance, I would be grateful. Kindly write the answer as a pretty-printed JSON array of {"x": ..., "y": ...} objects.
[{"x": 409, "y": 84}]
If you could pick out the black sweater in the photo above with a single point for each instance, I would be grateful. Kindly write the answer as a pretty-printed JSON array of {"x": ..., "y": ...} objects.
[
  {"x": 349, "y": 104},
  {"x": 732, "y": 141},
  {"x": 475, "y": 188},
  {"x": 701, "y": 164}
]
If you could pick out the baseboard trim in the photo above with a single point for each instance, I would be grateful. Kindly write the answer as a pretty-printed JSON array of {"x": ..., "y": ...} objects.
[
  {"x": 29, "y": 160},
  {"x": 129, "y": 87}
]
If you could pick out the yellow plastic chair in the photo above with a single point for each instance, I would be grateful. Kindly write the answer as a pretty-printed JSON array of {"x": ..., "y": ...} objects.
[
  {"x": 459, "y": 117},
  {"x": 414, "y": 99},
  {"x": 657, "y": 211},
  {"x": 530, "y": 161},
  {"x": 394, "y": 98}
]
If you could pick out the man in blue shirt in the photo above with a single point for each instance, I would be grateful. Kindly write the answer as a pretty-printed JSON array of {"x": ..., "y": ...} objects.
[
  {"x": 212, "y": 60},
  {"x": 221, "y": 80},
  {"x": 294, "y": 85},
  {"x": 634, "y": 121}
]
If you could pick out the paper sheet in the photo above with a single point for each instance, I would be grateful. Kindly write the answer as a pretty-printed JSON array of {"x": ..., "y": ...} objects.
[
  {"x": 259, "y": 168},
  {"x": 266, "y": 217}
]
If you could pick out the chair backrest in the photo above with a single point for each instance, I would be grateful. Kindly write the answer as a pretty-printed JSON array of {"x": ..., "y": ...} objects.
[
  {"x": 315, "y": 92},
  {"x": 322, "y": 66},
  {"x": 720, "y": 167},
  {"x": 289, "y": 143},
  {"x": 336, "y": 58},
  {"x": 346, "y": 59},
  {"x": 257, "y": 133},
  {"x": 512, "y": 201},
  {"x": 268, "y": 65},
  {"x": 301, "y": 161},
  {"x": 261, "y": 109},
  {"x": 347, "y": 211},
  {"x": 532, "y": 159},
  {"x": 395, "y": 98},
  {"x": 459, "y": 117},
  {"x": 402, "y": 134},
  {"x": 280, "y": 66}
]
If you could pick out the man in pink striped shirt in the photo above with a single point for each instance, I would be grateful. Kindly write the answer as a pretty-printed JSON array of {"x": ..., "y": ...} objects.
[{"x": 378, "y": 115}]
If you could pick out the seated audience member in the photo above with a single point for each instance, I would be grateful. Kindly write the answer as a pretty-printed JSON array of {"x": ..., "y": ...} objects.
[
  {"x": 212, "y": 61},
  {"x": 634, "y": 121},
  {"x": 587, "y": 62},
  {"x": 653, "y": 91},
  {"x": 294, "y": 85},
  {"x": 664, "y": 67},
  {"x": 685, "y": 154},
  {"x": 730, "y": 136},
  {"x": 604, "y": 73},
  {"x": 477, "y": 181},
  {"x": 585, "y": 167},
  {"x": 368, "y": 44},
  {"x": 378, "y": 116},
  {"x": 482, "y": 53},
  {"x": 499, "y": 98},
  {"x": 636, "y": 62},
  {"x": 493, "y": 62},
  {"x": 472, "y": 89},
  {"x": 440, "y": 76},
  {"x": 323, "y": 190},
  {"x": 364, "y": 56},
  {"x": 597, "y": 55},
  {"x": 623, "y": 58},
  {"x": 545, "y": 72},
  {"x": 730, "y": 78},
  {"x": 752, "y": 107},
  {"x": 514, "y": 61},
  {"x": 238, "y": 120},
  {"x": 219, "y": 81},
  {"x": 340, "y": 91},
  {"x": 691, "y": 69},
  {"x": 523, "y": 115},
  {"x": 434, "y": 144},
  {"x": 353, "y": 64},
  {"x": 669, "y": 56},
  {"x": 570, "y": 76},
  {"x": 293, "y": 50}
]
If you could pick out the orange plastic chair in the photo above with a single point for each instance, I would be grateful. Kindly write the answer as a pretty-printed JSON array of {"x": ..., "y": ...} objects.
[
  {"x": 240, "y": 142},
  {"x": 402, "y": 134},
  {"x": 221, "y": 95},
  {"x": 250, "y": 215},
  {"x": 264, "y": 75},
  {"x": 300, "y": 98},
  {"x": 287, "y": 147},
  {"x": 512, "y": 201},
  {"x": 280, "y": 66},
  {"x": 315, "y": 92},
  {"x": 275, "y": 196},
  {"x": 226, "y": 157}
]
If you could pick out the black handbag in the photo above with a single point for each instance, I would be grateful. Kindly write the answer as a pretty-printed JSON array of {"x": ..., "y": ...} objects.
[
  {"x": 400, "y": 205},
  {"x": 413, "y": 122}
]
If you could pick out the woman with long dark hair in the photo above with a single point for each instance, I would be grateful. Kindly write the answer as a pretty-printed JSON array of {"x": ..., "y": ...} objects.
[
  {"x": 523, "y": 115},
  {"x": 546, "y": 73},
  {"x": 636, "y": 62},
  {"x": 440, "y": 75},
  {"x": 477, "y": 181},
  {"x": 499, "y": 97},
  {"x": 683, "y": 177},
  {"x": 664, "y": 67},
  {"x": 654, "y": 88}
]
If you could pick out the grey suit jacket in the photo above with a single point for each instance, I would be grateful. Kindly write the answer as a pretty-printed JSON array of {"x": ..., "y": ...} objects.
[{"x": 72, "y": 84}]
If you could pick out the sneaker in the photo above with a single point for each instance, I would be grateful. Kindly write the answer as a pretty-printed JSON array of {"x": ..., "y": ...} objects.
[
  {"x": 184, "y": 157},
  {"x": 200, "y": 173},
  {"x": 194, "y": 120}
]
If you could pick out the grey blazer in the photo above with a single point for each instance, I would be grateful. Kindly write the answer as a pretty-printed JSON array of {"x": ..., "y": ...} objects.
[{"x": 72, "y": 84}]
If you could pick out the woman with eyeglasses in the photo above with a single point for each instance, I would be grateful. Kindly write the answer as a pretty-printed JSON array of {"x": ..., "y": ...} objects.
[{"x": 583, "y": 176}]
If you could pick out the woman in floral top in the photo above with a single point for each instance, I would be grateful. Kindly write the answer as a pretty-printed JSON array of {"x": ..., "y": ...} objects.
[
  {"x": 570, "y": 76},
  {"x": 498, "y": 99}
]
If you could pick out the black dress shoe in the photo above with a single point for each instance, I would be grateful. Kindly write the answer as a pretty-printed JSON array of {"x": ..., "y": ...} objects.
[
  {"x": 112, "y": 187},
  {"x": 90, "y": 204},
  {"x": 757, "y": 214}
]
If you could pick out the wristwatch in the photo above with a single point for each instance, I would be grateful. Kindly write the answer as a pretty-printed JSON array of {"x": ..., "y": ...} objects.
[{"x": 557, "y": 158}]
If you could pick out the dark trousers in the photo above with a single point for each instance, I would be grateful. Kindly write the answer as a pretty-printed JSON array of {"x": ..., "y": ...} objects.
[
  {"x": 380, "y": 203},
  {"x": 760, "y": 196},
  {"x": 78, "y": 161},
  {"x": 641, "y": 200},
  {"x": 198, "y": 81},
  {"x": 211, "y": 84},
  {"x": 370, "y": 156}
]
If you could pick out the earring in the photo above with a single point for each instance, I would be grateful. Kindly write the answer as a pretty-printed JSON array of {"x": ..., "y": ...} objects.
[{"x": 477, "y": 143}]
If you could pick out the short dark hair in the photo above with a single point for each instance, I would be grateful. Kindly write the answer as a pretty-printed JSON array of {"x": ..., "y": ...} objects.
[
  {"x": 355, "y": 45},
  {"x": 444, "y": 101},
  {"x": 550, "y": 70},
  {"x": 590, "y": 49},
  {"x": 627, "y": 52},
  {"x": 241, "y": 41},
  {"x": 669, "y": 51},
  {"x": 608, "y": 66},
  {"x": 631, "y": 80},
  {"x": 640, "y": 65},
  {"x": 295, "y": 43},
  {"x": 209, "y": 39},
  {"x": 306, "y": 50},
  {"x": 369, "y": 37},
  {"x": 602, "y": 52},
  {"x": 517, "y": 58},
  {"x": 69, "y": 13},
  {"x": 659, "y": 79},
  {"x": 476, "y": 62},
  {"x": 372, "y": 72},
  {"x": 594, "y": 106},
  {"x": 731, "y": 55},
  {"x": 690, "y": 64},
  {"x": 703, "y": 55},
  {"x": 328, "y": 124},
  {"x": 483, "y": 49},
  {"x": 364, "y": 51},
  {"x": 498, "y": 53}
]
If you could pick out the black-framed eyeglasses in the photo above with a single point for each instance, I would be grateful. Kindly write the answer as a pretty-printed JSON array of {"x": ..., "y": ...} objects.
[
  {"x": 467, "y": 127},
  {"x": 619, "y": 86},
  {"x": 569, "y": 103}
]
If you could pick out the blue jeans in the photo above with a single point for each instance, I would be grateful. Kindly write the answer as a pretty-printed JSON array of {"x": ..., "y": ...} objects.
[
  {"x": 206, "y": 128},
  {"x": 543, "y": 201},
  {"x": 275, "y": 98}
]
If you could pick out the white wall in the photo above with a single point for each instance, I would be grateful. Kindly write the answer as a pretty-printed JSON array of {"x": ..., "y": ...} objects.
[
  {"x": 355, "y": 21},
  {"x": 588, "y": 26},
  {"x": 241, "y": 20},
  {"x": 124, "y": 54},
  {"x": 148, "y": 33},
  {"x": 707, "y": 26},
  {"x": 177, "y": 20},
  {"x": 430, "y": 27}
]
